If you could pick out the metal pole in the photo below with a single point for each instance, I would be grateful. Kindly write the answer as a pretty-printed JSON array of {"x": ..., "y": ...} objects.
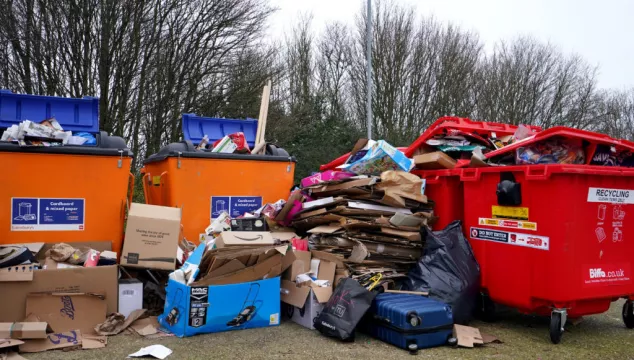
[{"x": 368, "y": 68}]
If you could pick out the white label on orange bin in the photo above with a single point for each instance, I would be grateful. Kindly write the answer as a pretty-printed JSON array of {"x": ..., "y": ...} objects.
[
  {"x": 511, "y": 224},
  {"x": 614, "y": 196},
  {"x": 606, "y": 274},
  {"x": 511, "y": 238}
]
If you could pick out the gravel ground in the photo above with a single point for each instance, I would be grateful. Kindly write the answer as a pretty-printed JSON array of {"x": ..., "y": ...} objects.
[{"x": 525, "y": 337}]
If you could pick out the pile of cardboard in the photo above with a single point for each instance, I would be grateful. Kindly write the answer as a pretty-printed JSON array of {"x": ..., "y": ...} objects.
[{"x": 373, "y": 223}]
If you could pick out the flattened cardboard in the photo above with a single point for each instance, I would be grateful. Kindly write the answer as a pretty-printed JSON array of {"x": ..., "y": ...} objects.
[
  {"x": 92, "y": 341},
  {"x": 308, "y": 214},
  {"x": 406, "y": 220},
  {"x": 24, "y": 330},
  {"x": 151, "y": 237},
  {"x": 244, "y": 238},
  {"x": 325, "y": 229},
  {"x": 53, "y": 341},
  {"x": 14, "y": 356},
  {"x": 230, "y": 267},
  {"x": 7, "y": 343},
  {"x": 409, "y": 235},
  {"x": 467, "y": 336},
  {"x": 379, "y": 208},
  {"x": 98, "y": 279},
  {"x": 67, "y": 311},
  {"x": 434, "y": 161},
  {"x": 283, "y": 236}
]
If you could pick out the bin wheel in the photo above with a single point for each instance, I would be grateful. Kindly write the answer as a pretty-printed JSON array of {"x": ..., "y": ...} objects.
[
  {"x": 556, "y": 329},
  {"x": 628, "y": 314},
  {"x": 452, "y": 341},
  {"x": 413, "y": 349},
  {"x": 486, "y": 308}
]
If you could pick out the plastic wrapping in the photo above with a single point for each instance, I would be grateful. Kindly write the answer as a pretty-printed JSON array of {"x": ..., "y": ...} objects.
[
  {"x": 448, "y": 271},
  {"x": 551, "y": 151}
]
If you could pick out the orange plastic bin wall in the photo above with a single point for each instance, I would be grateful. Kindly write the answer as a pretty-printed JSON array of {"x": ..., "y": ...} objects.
[
  {"x": 192, "y": 184},
  {"x": 101, "y": 183}
]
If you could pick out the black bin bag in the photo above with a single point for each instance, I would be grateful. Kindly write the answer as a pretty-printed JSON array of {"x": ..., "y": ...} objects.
[
  {"x": 448, "y": 270},
  {"x": 344, "y": 310}
]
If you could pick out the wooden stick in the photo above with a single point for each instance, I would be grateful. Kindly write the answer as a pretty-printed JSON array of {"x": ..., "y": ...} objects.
[
  {"x": 264, "y": 110},
  {"x": 422, "y": 293},
  {"x": 258, "y": 147}
]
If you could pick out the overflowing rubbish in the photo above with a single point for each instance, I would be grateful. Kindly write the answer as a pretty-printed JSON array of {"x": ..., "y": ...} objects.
[
  {"x": 46, "y": 133},
  {"x": 225, "y": 242}
]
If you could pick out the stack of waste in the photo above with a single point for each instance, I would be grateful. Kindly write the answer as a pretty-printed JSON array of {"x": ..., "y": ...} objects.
[
  {"x": 46, "y": 133},
  {"x": 372, "y": 222}
]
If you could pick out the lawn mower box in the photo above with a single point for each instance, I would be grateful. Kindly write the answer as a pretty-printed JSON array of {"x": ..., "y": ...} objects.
[{"x": 191, "y": 310}]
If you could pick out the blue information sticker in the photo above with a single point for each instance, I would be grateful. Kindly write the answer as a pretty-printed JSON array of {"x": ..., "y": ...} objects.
[
  {"x": 234, "y": 205},
  {"x": 47, "y": 214}
]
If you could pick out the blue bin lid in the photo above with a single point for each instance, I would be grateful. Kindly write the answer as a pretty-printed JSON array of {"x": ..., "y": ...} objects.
[
  {"x": 196, "y": 127},
  {"x": 73, "y": 114}
]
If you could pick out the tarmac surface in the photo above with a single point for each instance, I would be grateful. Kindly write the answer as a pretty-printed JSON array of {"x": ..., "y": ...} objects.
[{"x": 525, "y": 337}]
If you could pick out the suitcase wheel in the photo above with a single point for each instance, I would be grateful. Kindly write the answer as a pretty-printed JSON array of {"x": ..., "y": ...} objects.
[{"x": 628, "y": 314}]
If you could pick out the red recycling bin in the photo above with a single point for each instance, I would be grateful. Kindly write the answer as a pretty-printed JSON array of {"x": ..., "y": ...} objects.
[
  {"x": 554, "y": 239},
  {"x": 445, "y": 186},
  {"x": 565, "y": 251}
]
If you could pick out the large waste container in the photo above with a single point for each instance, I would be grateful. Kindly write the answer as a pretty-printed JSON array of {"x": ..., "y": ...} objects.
[
  {"x": 445, "y": 186},
  {"x": 64, "y": 193},
  {"x": 205, "y": 184},
  {"x": 553, "y": 239}
]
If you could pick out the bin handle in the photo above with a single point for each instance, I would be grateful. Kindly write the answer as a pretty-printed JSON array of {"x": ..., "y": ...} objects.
[
  {"x": 470, "y": 174},
  {"x": 540, "y": 173},
  {"x": 146, "y": 193},
  {"x": 130, "y": 190},
  {"x": 162, "y": 185}
]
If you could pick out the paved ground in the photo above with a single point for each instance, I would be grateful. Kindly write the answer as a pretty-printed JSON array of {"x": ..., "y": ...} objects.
[{"x": 525, "y": 337}]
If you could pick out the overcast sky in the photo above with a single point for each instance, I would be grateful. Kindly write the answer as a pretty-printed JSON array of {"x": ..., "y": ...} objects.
[{"x": 599, "y": 30}]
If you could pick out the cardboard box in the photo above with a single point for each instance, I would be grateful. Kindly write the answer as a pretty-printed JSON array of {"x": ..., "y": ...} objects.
[
  {"x": 99, "y": 279},
  {"x": 130, "y": 296},
  {"x": 249, "y": 224},
  {"x": 67, "y": 311},
  {"x": 207, "y": 307},
  {"x": 24, "y": 330},
  {"x": 244, "y": 238},
  {"x": 305, "y": 301},
  {"x": 151, "y": 237},
  {"x": 381, "y": 157},
  {"x": 434, "y": 161}
]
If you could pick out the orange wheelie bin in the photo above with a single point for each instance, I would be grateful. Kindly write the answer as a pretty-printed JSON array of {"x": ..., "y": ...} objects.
[
  {"x": 63, "y": 193},
  {"x": 204, "y": 184}
]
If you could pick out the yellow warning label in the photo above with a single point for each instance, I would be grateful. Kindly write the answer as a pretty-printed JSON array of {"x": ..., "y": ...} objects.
[
  {"x": 511, "y": 224},
  {"x": 156, "y": 180},
  {"x": 509, "y": 212}
]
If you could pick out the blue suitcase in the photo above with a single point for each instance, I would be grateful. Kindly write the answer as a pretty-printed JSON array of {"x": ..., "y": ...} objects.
[{"x": 410, "y": 322}]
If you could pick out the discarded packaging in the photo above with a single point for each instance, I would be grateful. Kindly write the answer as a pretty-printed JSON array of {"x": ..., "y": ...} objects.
[{"x": 157, "y": 351}]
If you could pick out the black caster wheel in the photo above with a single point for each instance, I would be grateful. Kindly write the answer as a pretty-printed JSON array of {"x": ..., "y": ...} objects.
[
  {"x": 486, "y": 308},
  {"x": 628, "y": 314},
  {"x": 413, "y": 349},
  {"x": 556, "y": 329},
  {"x": 452, "y": 341}
]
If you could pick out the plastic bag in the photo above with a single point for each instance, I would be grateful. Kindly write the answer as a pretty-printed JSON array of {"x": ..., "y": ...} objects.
[
  {"x": 90, "y": 138},
  {"x": 448, "y": 270},
  {"x": 344, "y": 310}
]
